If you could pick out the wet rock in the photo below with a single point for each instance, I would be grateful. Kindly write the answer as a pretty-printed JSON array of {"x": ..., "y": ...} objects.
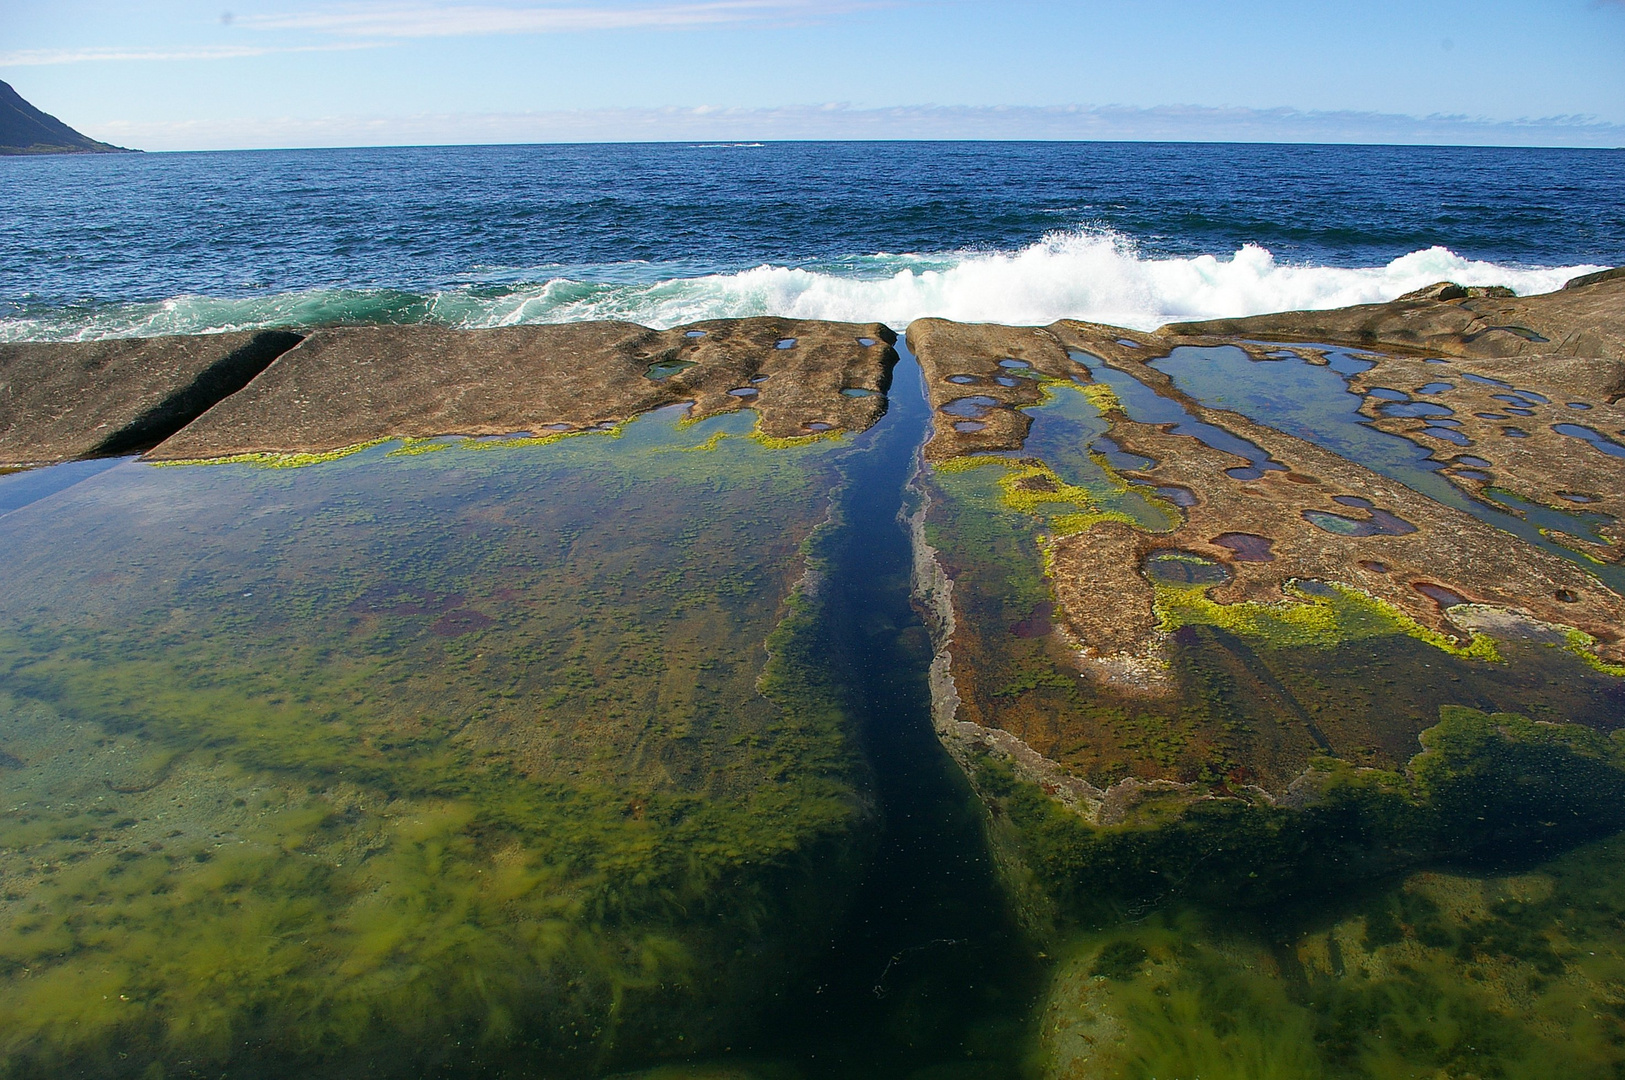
[
  {"x": 1439, "y": 290},
  {"x": 950, "y": 352},
  {"x": 1546, "y": 466},
  {"x": 1583, "y": 280}
]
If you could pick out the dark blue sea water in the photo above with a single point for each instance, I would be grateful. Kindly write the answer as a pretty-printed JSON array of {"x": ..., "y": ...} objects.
[{"x": 1017, "y": 232}]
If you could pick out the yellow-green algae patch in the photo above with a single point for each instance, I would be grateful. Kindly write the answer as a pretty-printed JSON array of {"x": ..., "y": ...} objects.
[
  {"x": 276, "y": 460},
  {"x": 1030, "y": 486},
  {"x": 1584, "y": 646},
  {"x": 409, "y": 447},
  {"x": 484, "y": 759},
  {"x": 1332, "y": 614},
  {"x": 772, "y": 442}
]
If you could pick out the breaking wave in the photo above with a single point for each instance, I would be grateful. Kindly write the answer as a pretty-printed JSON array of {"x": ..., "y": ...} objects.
[{"x": 1097, "y": 275}]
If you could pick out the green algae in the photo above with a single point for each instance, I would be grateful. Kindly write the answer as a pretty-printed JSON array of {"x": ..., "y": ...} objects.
[
  {"x": 1584, "y": 646},
  {"x": 1491, "y": 788},
  {"x": 1029, "y": 486},
  {"x": 1442, "y": 974},
  {"x": 476, "y": 761},
  {"x": 1331, "y": 614},
  {"x": 708, "y": 444},
  {"x": 774, "y": 442},
  {"x": 269, "y": 459}
]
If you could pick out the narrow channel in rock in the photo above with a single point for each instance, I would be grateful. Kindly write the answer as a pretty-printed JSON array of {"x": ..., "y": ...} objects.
[{"x": 928, "y": 969}]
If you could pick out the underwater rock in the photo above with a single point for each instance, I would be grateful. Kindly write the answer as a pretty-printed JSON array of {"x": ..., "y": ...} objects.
[
  {"x": 524, "y": 748},
  {"x": 1440, "y": 974},
  {"x": 348, "y": 386},
  {"x": 94, "y": 398}
]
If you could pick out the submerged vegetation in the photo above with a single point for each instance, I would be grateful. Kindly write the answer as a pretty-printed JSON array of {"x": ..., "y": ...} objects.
[
  {"x": 1520, "y": 976},
  {"x": 1488, "y": 789},
  {"x": 1305, "y": 751},
  {"x": 430, "y": 762},
  {"x": 529, "y": 755}
]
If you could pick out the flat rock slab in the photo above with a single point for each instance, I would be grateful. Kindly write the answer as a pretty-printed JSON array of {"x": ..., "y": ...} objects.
[
  {"x": 346, "y": 386},
  {"x": 1581, "y": 320},
  {"x": 84, "y": 399},
  {"x": 985, "y": 360},
  {"x": 1518, "y": 429}
]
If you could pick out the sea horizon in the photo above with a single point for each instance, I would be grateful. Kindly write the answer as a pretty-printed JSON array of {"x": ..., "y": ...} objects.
[{"x": 1022, "y": 231}]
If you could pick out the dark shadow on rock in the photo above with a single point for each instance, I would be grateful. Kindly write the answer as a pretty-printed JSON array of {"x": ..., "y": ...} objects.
[{"x": 215, "y": 383}]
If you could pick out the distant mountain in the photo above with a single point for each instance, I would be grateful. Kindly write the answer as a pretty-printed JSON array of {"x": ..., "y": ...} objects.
[{"x": 26, "y": 130}]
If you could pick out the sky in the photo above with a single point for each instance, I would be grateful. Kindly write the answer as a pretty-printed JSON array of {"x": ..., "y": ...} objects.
[{"x": 189, "y": 74}]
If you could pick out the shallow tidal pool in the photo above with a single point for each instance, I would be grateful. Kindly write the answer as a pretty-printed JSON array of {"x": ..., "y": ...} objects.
[{"x": 434, "y": 755}]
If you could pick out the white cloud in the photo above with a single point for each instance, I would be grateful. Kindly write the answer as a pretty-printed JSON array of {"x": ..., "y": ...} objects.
[
  {"x": 377, "y": 25},
  {"x": 46, "y": 57},
  {"x": 1180, "y": 123},
  {"x": 459, "y": 20}
]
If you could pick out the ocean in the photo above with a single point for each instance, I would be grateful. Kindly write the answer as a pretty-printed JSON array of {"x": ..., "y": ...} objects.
[{"x": 1135, "y": 234}]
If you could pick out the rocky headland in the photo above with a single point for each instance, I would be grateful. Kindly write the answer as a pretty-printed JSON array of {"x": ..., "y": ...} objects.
[{"x": 26, "y": 130}]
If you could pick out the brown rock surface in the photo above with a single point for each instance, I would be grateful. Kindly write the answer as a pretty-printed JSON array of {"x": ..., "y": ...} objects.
[
  {"x": 347, "y": 386},
  {"x": 79, "y": 399},
  {"x": 948, "y": 350},
  {"x": 1447, "y": 548},
  {"x": 1150, "y": 706},
  {"x": 1540, "y": 465},
  {"x": 1580, "y": 320}
]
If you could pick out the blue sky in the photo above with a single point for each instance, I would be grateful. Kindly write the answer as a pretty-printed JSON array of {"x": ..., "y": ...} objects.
[{"x": 186, "y": 74}]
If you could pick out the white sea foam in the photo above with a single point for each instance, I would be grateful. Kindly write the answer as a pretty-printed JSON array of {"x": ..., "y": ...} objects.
[{"x": 1087, "y": 275}]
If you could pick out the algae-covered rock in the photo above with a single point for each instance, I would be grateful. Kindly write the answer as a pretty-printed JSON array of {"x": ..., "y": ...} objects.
[
  {"x": 1190, "y": 656},
  {"x": 1442, "y": 974},
  {"x": 499, "y": 757}
]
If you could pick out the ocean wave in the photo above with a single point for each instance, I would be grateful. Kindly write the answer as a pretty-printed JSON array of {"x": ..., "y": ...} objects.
[{"x": 1095, "y": 275}]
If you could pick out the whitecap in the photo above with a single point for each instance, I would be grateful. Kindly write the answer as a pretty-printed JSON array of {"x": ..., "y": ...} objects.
[{"x": 1096, "y": 275}]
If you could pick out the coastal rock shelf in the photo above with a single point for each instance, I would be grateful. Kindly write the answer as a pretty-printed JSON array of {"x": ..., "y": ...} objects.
[
  {"x": 1582, "y": 319},
  {"x": 1249, "y": 681},
  {"x": 559, "y": 706},
  {"x": 1521, "y": 427},
  {"x": 1134, "y": 589},
  {"x": 59, "y": 402},
  {"x": 219, "y": 396}
]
